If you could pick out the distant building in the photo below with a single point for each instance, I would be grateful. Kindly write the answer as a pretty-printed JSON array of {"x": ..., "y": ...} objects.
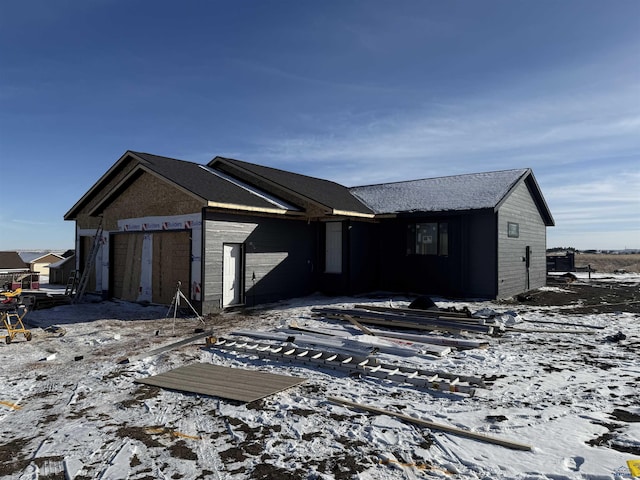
[
  {"x": 61, "y": 271},
  {"x": 40, "y": 263},
  {"x": 15, "y": 273},
  {"x": 561, "y": 262}
]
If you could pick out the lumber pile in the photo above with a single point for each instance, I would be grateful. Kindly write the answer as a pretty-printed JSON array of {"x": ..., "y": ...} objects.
[{"x": 412, "y": 319}]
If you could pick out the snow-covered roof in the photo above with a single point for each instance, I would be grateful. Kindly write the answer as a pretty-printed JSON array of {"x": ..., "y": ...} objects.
[
  {"x": 34, "y": 256},
  {"x": 454, "y": 193},
  {"x": 62, "y": 262}
]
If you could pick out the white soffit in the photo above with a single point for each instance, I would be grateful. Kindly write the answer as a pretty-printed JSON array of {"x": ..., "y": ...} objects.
[{"x": 259, "y": 193}]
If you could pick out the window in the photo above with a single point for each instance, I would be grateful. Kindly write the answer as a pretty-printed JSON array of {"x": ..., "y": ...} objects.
[
  {"x": 513, "y": 230},
  {"x": 428, "y": 239},
  {"x": 333, "y": 247}
]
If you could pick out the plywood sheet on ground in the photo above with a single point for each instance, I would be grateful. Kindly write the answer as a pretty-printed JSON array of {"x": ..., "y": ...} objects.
[{"x": 225, "y": 382}]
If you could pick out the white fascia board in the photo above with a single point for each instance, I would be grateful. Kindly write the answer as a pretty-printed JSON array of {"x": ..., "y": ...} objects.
[{"x": 259, "y": 193}]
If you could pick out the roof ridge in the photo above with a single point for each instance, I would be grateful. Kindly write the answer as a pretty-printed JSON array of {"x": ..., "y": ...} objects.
[
  {"x": 441, "y": 177},
  {"x": 162, "y": 157},
  {"x": 288, "y": 172}
]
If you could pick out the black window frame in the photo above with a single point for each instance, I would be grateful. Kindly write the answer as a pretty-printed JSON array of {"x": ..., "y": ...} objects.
[{"x": 418, "y": 235}]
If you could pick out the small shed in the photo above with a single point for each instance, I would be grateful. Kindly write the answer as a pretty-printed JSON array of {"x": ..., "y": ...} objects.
[{"x": 61, "y": 271}]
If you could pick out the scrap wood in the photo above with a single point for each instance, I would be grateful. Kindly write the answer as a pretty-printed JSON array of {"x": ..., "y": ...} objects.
[
  {"x": 422, "y": 346},
  {"x": 416, "y": 465},
  {"x": 352, "y": 344},
  {"x": 416, "y": 311},
  {"x": 357, "y": 324},
  {"x": 434, "y": 426},
  {"x": 171, "y": 433},
  {"x": 566, "y": 324},
  {"x": 542, "y": 330},
  {"x": 459, "y": 343},
  {"x": 358, "y": 365},
  {"x": 12, "y": 406},
  {"x": 408, "y": 322},
  {"x": 165, "y": 348}
]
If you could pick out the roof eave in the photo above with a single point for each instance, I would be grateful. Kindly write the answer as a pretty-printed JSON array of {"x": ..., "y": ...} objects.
[
  {"x": 312, "y": 201},
  {"x": 347, "y": 213},
  {"x": 252, "y": 209},
  {"x": 108, "y": 198},
  {"x": 530, "y": 180},
  {"x": 73, "y": 211}
]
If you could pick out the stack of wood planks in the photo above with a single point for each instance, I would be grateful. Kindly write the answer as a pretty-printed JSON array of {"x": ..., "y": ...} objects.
[{"x": 413, "y": 319}]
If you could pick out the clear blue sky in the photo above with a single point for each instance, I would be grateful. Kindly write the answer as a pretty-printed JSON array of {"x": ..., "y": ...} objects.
[{"x": 358, "y": 92}]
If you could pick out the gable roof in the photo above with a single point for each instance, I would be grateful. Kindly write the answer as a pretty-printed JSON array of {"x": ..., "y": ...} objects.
[
  {"x": 475, "y": 191},
  {"x": 12, "y": 261},
  {"x": 37, "y": 257},
  {"x": 208, "y": 184},
  {"x": 192, "y": 178},
  {"x": 331, "y": 196},
  {"x": 62, "y": 262},
  {"x": 234, "y": 184}
]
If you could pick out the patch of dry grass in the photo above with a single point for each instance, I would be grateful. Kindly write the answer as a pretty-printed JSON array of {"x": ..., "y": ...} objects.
[{"x": 608, "y": 263}]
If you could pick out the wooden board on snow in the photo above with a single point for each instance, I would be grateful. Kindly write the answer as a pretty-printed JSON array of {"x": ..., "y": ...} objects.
[{"x": 225, "y": 382}]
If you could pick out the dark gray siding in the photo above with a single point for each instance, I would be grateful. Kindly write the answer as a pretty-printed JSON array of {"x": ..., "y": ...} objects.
[
  {"x": 364, "y": 256},
  {"x": 422, "y": 274},
  {"x": 360, "y": 259},
  {"x": 280, "y": 256},
  {"x": 513, "y": 277},
  {"x": 480, "y": 263}
]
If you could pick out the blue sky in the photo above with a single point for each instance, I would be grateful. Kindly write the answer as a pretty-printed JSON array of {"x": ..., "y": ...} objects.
[{"x": 358, "y": 92}]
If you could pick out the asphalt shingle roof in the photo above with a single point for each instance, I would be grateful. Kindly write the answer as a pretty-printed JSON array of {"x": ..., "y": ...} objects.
[
  {"x": 12, "y": 261},
  {"x": 324, "y": 192},
  {"x": 201, "y": 181},
  {"x": 454, "y": 193}
]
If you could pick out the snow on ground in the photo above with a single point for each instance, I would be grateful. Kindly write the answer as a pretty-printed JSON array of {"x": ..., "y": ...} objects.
[{"x": 69, "y": 409}]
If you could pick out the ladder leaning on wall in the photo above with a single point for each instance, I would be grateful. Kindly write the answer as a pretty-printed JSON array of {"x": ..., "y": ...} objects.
[{"x": 90, "y": 262}]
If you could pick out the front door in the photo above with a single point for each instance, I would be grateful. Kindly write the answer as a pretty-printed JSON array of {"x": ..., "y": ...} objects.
[{"x": 232, "y": 274}]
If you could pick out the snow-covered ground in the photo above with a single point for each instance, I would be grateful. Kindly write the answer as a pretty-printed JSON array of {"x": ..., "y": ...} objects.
[{"x": 69, "y": 409}]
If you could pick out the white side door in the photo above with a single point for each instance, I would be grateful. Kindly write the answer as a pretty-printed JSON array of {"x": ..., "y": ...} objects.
[
  {"x": 333, "y": 247},
  {"x": 231, "y": 274}
]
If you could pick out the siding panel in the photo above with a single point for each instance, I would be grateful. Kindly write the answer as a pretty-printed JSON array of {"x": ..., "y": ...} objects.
[
  {"x": 279, "y": 257},
  {"x": 513, "y": 277}
]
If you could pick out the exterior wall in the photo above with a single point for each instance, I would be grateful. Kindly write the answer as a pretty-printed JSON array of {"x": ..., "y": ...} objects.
[
  {"x": 513, "y": 275},
  {"x": 363, "y": 264},
  {"x": 480, "y": 260},
  {"x": 84, "y": 221},
  {"x": 149, "y": 196},
  {"x": 279, "y": 257},
  {"x": 42, "y": 265},
  {"x": 400, "y": 271},
  {"x": 146, "y": 202},
  {"x": 60, "y": 274}
]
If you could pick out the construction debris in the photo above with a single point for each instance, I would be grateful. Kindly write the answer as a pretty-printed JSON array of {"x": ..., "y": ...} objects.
[
  {"x": 412, "y": 321},
  {"x": 358, "y": 365},
  {"x": 434, "y": 426},
  {"x": 225, "y": 382},
  {"x": 165, "y": 348},
  {"x": 359, "y": 344}
]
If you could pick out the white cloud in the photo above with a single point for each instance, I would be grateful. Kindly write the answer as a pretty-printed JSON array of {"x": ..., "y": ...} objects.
[{"x": 582, "y": 147}]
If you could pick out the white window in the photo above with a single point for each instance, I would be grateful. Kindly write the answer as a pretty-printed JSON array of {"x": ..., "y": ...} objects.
[{"x": 333, "y": 247}]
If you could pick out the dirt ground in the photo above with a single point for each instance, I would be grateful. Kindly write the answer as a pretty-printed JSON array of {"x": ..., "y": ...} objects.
[{"x": 586, "y": 297}]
